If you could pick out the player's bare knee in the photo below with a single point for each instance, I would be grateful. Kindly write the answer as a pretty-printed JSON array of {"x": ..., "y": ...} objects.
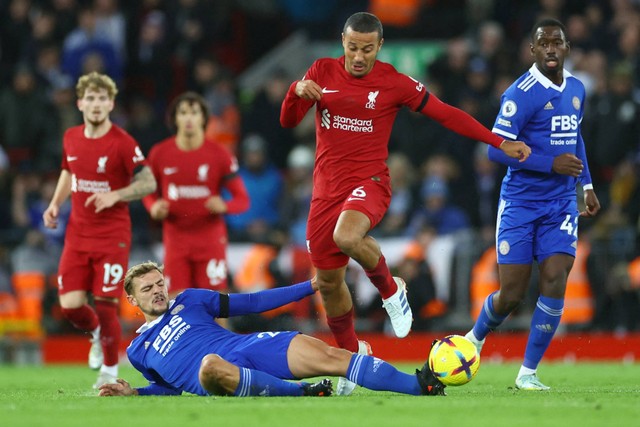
[
  {"x": 508, "y": 301},
  {"x": 347, "y": 242},
  {"x": 554, "y": 285},
  {"x": 327, "y": 286},
  {"x": 216, "y": 375}
]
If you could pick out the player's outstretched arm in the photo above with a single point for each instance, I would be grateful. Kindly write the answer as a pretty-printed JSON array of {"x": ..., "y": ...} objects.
[
  {"x": 464, "y": 124},
  {"x": 534, "y": 162},
  {"x": 516, "y": 149},
  {"x": 258, "y": 302}
]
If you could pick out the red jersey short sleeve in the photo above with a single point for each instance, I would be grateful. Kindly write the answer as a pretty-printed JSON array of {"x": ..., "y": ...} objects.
[
  {"x": 186, "y": 179},
  {"x": 353, "y": 122},
  {"x": 99, "y": 165}
]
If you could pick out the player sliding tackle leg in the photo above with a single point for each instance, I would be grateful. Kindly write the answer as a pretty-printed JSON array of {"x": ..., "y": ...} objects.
[{"x": 182, "y": 348}]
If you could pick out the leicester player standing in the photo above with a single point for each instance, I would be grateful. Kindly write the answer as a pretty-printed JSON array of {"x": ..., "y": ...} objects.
[
  {"x": 538, "y": 212},
  {"x": 357, "y": 99},
  {"x": 102, "y": 169}
]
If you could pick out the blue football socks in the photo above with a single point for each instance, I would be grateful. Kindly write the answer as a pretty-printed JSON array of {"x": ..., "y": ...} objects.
[
  {"x": 376, "y": 374},
  {"x": 545, "y": 321},
  {"x": 258, "y": 383},
  {"x": 488, "y": 319}
]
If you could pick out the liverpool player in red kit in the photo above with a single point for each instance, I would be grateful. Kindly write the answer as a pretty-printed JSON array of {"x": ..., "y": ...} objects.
[
  {"x": 191, "y": 173},
  {"x": 102, "y": 169},
  {"x": 357, "y": 99}
]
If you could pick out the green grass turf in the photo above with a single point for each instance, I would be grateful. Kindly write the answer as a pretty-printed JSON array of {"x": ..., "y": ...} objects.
[{"x": 582, "y": 394}]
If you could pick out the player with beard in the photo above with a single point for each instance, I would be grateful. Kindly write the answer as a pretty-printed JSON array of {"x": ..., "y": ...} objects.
[
  {"x": 102, "y": 169},
  {"x": 182, "y": 349},
  {"x": 357, "y": 99}
]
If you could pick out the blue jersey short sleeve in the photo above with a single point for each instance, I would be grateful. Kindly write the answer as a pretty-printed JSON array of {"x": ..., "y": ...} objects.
[
  {"x": 547, "y": 118},
  {"x": 169, "y": 350}
]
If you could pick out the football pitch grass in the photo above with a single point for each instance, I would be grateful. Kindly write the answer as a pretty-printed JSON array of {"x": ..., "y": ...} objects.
[{"x": 583, "y": 394}]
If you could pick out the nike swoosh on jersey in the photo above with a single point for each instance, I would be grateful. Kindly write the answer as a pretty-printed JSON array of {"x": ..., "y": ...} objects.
[
  {"x": 325, "y": 90},
  {"x": 106, "y": 289},
  {"x": 71, "y": 158},
  {"x": 170, "y": 171}
]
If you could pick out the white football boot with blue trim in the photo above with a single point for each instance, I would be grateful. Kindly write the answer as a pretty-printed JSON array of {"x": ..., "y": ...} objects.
[{"x": 398, "y": 310}]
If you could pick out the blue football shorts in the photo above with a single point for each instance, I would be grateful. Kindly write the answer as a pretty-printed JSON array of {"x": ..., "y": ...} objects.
[
  {"x": 264, "y": 351},
  {"x": 536, "y": 230}
]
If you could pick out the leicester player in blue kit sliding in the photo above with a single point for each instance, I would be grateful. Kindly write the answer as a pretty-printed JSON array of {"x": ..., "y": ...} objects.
[
  {"x": 538, "y": 212},
  {"x": 182, "y": 349}
]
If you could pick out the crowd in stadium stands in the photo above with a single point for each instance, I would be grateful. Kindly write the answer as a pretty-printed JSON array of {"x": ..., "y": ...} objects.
[{"x": 445, "y": 190}]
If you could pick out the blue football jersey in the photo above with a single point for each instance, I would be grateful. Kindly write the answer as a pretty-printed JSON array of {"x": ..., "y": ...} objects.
[
  {"x": 166, "y": 348},
  {"x": 546, "y": 117}
]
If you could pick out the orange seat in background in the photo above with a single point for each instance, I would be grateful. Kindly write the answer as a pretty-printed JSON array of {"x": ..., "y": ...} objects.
[
  {"x": 29, "y": 287},
  {"x": 484, "y": 280},
  {"x": 578, "y": 299},
  {"x": 397, "y": 13}
]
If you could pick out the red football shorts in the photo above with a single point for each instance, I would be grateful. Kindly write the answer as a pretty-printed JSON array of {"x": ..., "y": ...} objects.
[
  {"x": 196, "y": 268},
  {"x": 102, "y": 274},
  {"x": 372, "y": 198}
]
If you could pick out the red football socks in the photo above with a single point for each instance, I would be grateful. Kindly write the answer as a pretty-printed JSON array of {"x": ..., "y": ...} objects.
[
  {"x": 344, "y": 331},
  {"x": 83, "y": 318},
  {"x": 110, "y": 331},
  {"x": 381, "y": 278}
]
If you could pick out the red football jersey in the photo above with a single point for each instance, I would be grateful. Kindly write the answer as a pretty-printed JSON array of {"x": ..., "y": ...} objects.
[
  {"x": 186, "y": 179},
  {"x": 353, "y": 121},
  {"x": 99, "y": 165}
]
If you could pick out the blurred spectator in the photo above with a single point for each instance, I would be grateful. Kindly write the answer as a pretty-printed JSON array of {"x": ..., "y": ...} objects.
[
  {"x": 43, "y": 22},
  {"x": 310, "y": 15},
  {"x": 27, "y": 122},
  {"x": 87, "y": 46},
  {"x": 144, "y": 124},
  {"x": 41, "y": 248},
  {"x": 612, "y": 127},
  {"x": 215, "y": 83},
  {"x": 402, "y": 201},
  {"x": 263, "y": 117},
  {"x": 63, "y": 97},
  {"x": 485, "y": 194},
  {"x": 613, "y": 246},
  {"x": 6, "y": 221},
  {"x": 297, "y": 195},
  {"x": 49, "y": 68},
  {"x": 437, "y": 211},
  {"x": 66, "y": 16},
  {"x": 449, "y": 70},
  {"x": 265, "y": 186},
  {"x": 190, "y": 27},
  {"x": 111, "y": 24},
  {"x": 15, "y": 33},
  {"x": 149, "y": 71}
]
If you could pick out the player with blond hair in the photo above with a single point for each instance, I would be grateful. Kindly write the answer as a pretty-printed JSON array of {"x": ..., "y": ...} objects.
[{"x": 103, "y": 168}]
